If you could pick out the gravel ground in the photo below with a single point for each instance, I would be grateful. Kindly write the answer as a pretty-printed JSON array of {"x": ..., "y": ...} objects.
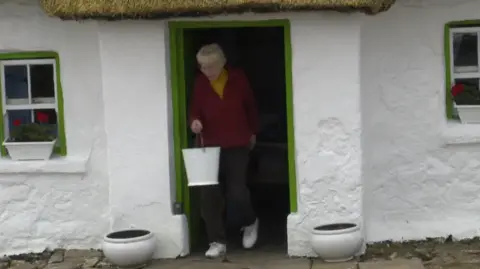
[{"x": 436, "y": 253}]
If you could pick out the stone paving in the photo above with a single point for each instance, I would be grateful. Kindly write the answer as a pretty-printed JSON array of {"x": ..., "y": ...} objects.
[
  {"x": 90, "y": 259},
  {"x": 272, "y": 261},
  {"x": 439, "y": 253},
  {"x": 286, "y": 263},
  {"x": 433, "y": 253}
]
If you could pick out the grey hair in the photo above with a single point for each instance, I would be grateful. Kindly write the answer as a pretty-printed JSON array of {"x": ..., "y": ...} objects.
[{"x": 211, "y": 53}]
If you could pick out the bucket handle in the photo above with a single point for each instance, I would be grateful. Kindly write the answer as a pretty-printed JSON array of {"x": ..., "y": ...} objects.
[{"x": 199, "y": 138}]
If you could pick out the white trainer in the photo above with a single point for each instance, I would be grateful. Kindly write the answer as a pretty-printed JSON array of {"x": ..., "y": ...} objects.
[
  {"x": 216, "y": 250},
  {"x": 250, "y": 235}
]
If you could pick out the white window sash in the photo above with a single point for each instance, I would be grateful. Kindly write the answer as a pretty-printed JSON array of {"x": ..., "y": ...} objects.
[
  {"x": 29, "y": 106},
  {"x": 463, "y": 75},
  {"x": 28, "y": 62},
  {"x": 471, "y": 75}
]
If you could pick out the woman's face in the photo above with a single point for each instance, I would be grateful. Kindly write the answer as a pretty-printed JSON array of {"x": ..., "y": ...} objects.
[{"x": 211, "y": 70}]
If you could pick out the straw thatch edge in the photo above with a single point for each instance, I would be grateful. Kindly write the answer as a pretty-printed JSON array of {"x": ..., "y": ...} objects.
[{"x": 233, "y": 9}]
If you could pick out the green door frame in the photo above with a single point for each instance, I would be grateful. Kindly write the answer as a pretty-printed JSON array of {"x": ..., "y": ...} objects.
[{"x": 177, "y": 70}]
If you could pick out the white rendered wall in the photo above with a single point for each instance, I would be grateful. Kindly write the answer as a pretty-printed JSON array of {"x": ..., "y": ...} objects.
[
  {"x": 59, "y": 203},
  {"x": 420, "y": 180},
  {"x": 326, "y": 91},
  {"x": 137, "y": 122},
  {"x": 115, "y": 81}
]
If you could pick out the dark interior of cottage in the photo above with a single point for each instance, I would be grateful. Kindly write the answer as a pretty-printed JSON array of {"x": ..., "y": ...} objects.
[{"x": 259, "y": 51}]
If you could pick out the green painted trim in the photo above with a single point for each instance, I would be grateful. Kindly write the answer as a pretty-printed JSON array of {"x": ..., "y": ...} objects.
[
  {"x": 176, "y": 30},
  {"x": 176, "y": 117},
  {"x": 61, "y": 117},
  {"x": 227, "y": 24},
  {"x": 463, "y": 23},
  {"x": 3, "y": 150},
  {"x": 446, "y": 51},
  {"x": 31, "y": 55},
  {"x": 176, "y": 35},
  {"x": 292, "y": 173},
  {"x": 448, "y": 78},
  {"x": 182, "y": 111}
]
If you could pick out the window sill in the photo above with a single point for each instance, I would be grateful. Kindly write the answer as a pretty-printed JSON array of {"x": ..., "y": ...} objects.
[
  {"x": 56, "y": 165},
  {"x": 456, "y": 133}
]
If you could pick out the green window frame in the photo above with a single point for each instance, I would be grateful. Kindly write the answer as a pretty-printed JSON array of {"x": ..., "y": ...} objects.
[
  {"x": 61, "y": 146},
  {"x": 449, "y": 30}
]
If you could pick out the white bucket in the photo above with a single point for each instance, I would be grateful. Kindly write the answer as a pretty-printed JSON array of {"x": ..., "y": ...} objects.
[{"x": 202, "y": 165}]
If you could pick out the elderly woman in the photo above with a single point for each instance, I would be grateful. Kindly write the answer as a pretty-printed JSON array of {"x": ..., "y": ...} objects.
[{"x": 223, "y": 111}]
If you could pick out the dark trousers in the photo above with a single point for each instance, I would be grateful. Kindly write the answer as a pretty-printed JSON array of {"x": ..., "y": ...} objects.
[{"x": 231, "y": 194}]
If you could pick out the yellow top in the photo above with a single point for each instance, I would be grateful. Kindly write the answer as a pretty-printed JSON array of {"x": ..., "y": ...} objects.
[{"x": 218, "y": 85}]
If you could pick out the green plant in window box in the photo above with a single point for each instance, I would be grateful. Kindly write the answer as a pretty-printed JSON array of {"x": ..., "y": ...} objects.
[
  {"x": 465, "y": 94},
  {"x": 467, "y": 102},
  {"x": 31, "y": 141},
  {"x": 32, "y": 132}
]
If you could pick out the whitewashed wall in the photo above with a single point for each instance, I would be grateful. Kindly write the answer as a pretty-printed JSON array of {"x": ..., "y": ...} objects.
[
  {"x": 115, "y": 81},
  {"x": 60, "y": 203},
  {"x": 419, "y": 182},
  {"x": 326, "y": 91},
  {"x": 138, "y": 127}
]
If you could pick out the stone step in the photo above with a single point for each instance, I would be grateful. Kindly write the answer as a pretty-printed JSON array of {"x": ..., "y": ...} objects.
[
  {"x": 342, "y": 265},
  {"x": 393, "y": 264}
]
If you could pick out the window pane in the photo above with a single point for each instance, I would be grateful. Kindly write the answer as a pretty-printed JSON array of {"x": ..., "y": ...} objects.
[
  {"x": 42, "y": 81},
  {"x": 15, "y": 117},
  {"x": 468, "y": 81},
  {"x": 42, "y": 116},
  {"x": 465, "y": 52},
  {"x": 16, "y": 84},
  {"x": 47, "y": 116}
]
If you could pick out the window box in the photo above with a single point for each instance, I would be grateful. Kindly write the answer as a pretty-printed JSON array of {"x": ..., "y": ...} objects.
[
  {"x": 23, "y": 151},
  {"x": 468, "y": 113}
]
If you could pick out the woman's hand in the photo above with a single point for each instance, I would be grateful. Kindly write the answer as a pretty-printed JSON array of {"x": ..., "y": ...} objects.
[
  {"x": 196, "y": 126},
  {"x": 253, "y": 140}
]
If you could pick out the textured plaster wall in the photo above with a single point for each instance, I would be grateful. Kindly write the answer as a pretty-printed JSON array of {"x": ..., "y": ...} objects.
[
  {"x": 103, "y": 184},
  {"x": 137, "y": 115},
  {"x": 63, "y": 202},
  {"x": 326, "y": 90},
  {"x": 115, "y": 81},
  {"x": 421, "y": 173}
]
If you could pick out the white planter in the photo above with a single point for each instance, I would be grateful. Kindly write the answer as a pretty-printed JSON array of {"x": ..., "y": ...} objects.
[
  {"x": 131, "y": 247},
  {"x": 337, "y": 242},
  {"x": 23, "y": 151},
  {"x": 469, "y": 114}
]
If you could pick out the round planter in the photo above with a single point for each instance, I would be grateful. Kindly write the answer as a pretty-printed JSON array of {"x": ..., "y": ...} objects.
[
  {"x": 337, "y": 242},
  {"x": 127, "y": 248}
]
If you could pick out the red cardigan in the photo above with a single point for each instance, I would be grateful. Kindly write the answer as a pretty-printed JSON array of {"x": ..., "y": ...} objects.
[{"x": 228, "y": 122}]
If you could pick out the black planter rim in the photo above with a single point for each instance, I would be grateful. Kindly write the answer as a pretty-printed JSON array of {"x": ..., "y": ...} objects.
[
  {"x": 128, "y": 236},
  {"x": 336, "y": 228}
]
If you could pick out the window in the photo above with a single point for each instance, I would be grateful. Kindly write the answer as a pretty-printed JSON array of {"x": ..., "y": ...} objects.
[
  {"x": 462, "y": 58},
  {"x": 30, "y": 86}
]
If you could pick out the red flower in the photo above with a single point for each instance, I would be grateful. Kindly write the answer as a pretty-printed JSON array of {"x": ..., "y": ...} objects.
[
  {"x": 457, "y": 89},
  {"x": 42, "y": 117},
  {"x": 17, "y": 122}
]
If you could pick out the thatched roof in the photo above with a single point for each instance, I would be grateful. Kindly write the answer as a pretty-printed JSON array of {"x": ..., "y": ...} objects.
[{"x": 128, "y": 9}]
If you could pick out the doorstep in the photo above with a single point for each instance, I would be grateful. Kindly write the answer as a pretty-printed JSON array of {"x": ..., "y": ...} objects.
[
  {"x": 283, "y": 263},
  {"x": 343, "y": 265},
  {"x": 394, "y": 264}
]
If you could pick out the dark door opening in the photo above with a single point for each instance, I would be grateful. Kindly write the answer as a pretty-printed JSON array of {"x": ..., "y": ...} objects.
[{"x": 260, "y": 52}]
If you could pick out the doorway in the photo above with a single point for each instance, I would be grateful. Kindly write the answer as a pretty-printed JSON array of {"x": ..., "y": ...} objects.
[{"x": 262, "y": 49}]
